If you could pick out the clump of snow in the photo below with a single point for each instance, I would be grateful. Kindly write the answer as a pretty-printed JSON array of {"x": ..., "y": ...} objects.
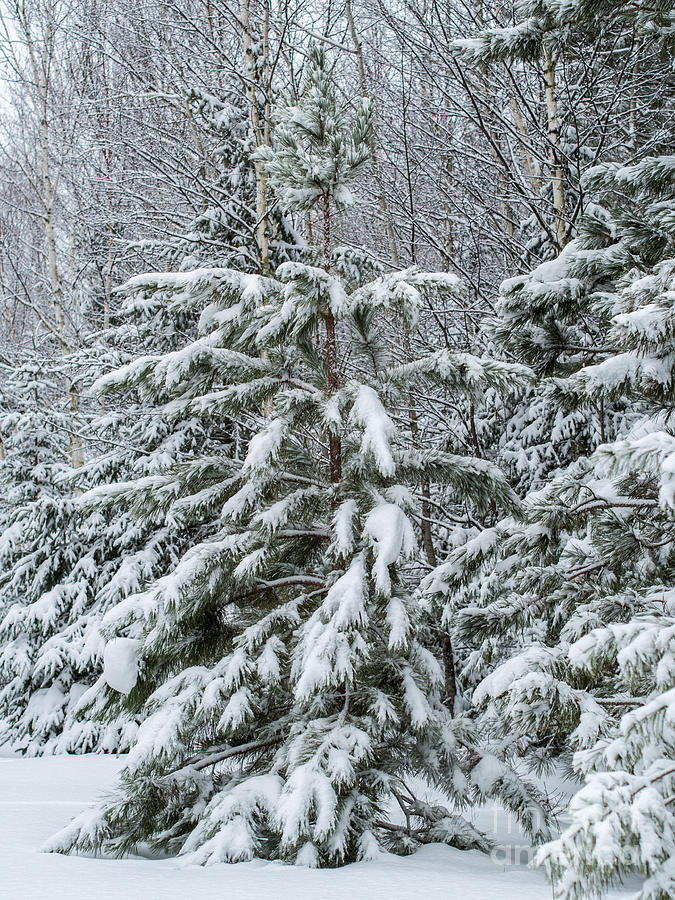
[
  {"x": 329, "y": 652},
  {"x": 227, "y": 831},
  {"x": 120, "y": 664},
  {"x": 46, "y": 706},
  {"x": 370, "y": 414},
  {"x": 392, "y": 537},
  {"x": 487, "y": 773},
  {"x": 265, "y": 445},
  {"x": 535, "y": 659},
  {"x": 343, "y": 527}
]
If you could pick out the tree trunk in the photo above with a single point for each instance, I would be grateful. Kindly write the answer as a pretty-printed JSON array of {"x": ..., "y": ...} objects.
[
  {"x": 261, "y": 128},
  {"x": 332, "y": 373},
  {"x": 553, "y": 127},
  {"x": 49, "y": 185},
  {"x": 372, "y": 141}
]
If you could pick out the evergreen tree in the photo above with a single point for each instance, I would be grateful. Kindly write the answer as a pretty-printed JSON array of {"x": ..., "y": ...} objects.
[
  {"x": 66, "y": 560},
  {"x": 601, "y": 85},
  {"x": 289, "y": 697},
  {"x": 569, "y": 612},
  {"x": 69, "y": 551},
  {"x": 34, "y": 472}
]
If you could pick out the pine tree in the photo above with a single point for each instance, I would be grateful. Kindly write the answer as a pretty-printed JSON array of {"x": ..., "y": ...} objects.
[
  {"x": 622, "y": 820},
  {"x": 570, "y": 612},
  {"x": 289, "y": 697},
  {"x": 65, "y": 560},
  {"x": 34, "y": 472},
  {"x": 544, "y": 317},
  {"x": 69, "y": 551}
]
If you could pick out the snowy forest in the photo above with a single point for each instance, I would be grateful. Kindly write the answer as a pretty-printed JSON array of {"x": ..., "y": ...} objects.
[{"x": 337, "y": 457}]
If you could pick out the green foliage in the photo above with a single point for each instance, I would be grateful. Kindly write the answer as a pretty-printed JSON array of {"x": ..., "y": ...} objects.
[{"x": 317, "y": 153}]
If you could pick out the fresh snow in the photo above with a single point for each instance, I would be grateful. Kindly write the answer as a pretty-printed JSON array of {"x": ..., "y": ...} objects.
[
  {"x": 392, "y": 536},
  {"x": 38, "y": 796},
  {"x": 120, "y": 664},
  {"x": 370, "y": 414}
]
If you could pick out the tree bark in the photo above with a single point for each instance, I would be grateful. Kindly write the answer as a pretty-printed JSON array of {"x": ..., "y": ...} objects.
[
  {"x": 553, "y": 127},
  {"x": 261, "y": 128},
  {"x": 332, "y": 373}
]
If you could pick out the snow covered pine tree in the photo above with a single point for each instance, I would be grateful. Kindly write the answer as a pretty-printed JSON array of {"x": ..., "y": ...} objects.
[
  {"x": 34, "y": 503},
  {"x": 65, "y": 561},
  {"x": 583, "y": 588},
  {"x": 289, "y": 699},
  {"x": 76, "y": 541}
]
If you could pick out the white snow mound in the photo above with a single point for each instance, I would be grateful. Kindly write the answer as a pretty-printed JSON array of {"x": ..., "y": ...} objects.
[{"x": 120, "y": 664}]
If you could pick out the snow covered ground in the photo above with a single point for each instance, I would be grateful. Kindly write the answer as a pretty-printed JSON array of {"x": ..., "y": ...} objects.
[{"x": 38, "y": 796}]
